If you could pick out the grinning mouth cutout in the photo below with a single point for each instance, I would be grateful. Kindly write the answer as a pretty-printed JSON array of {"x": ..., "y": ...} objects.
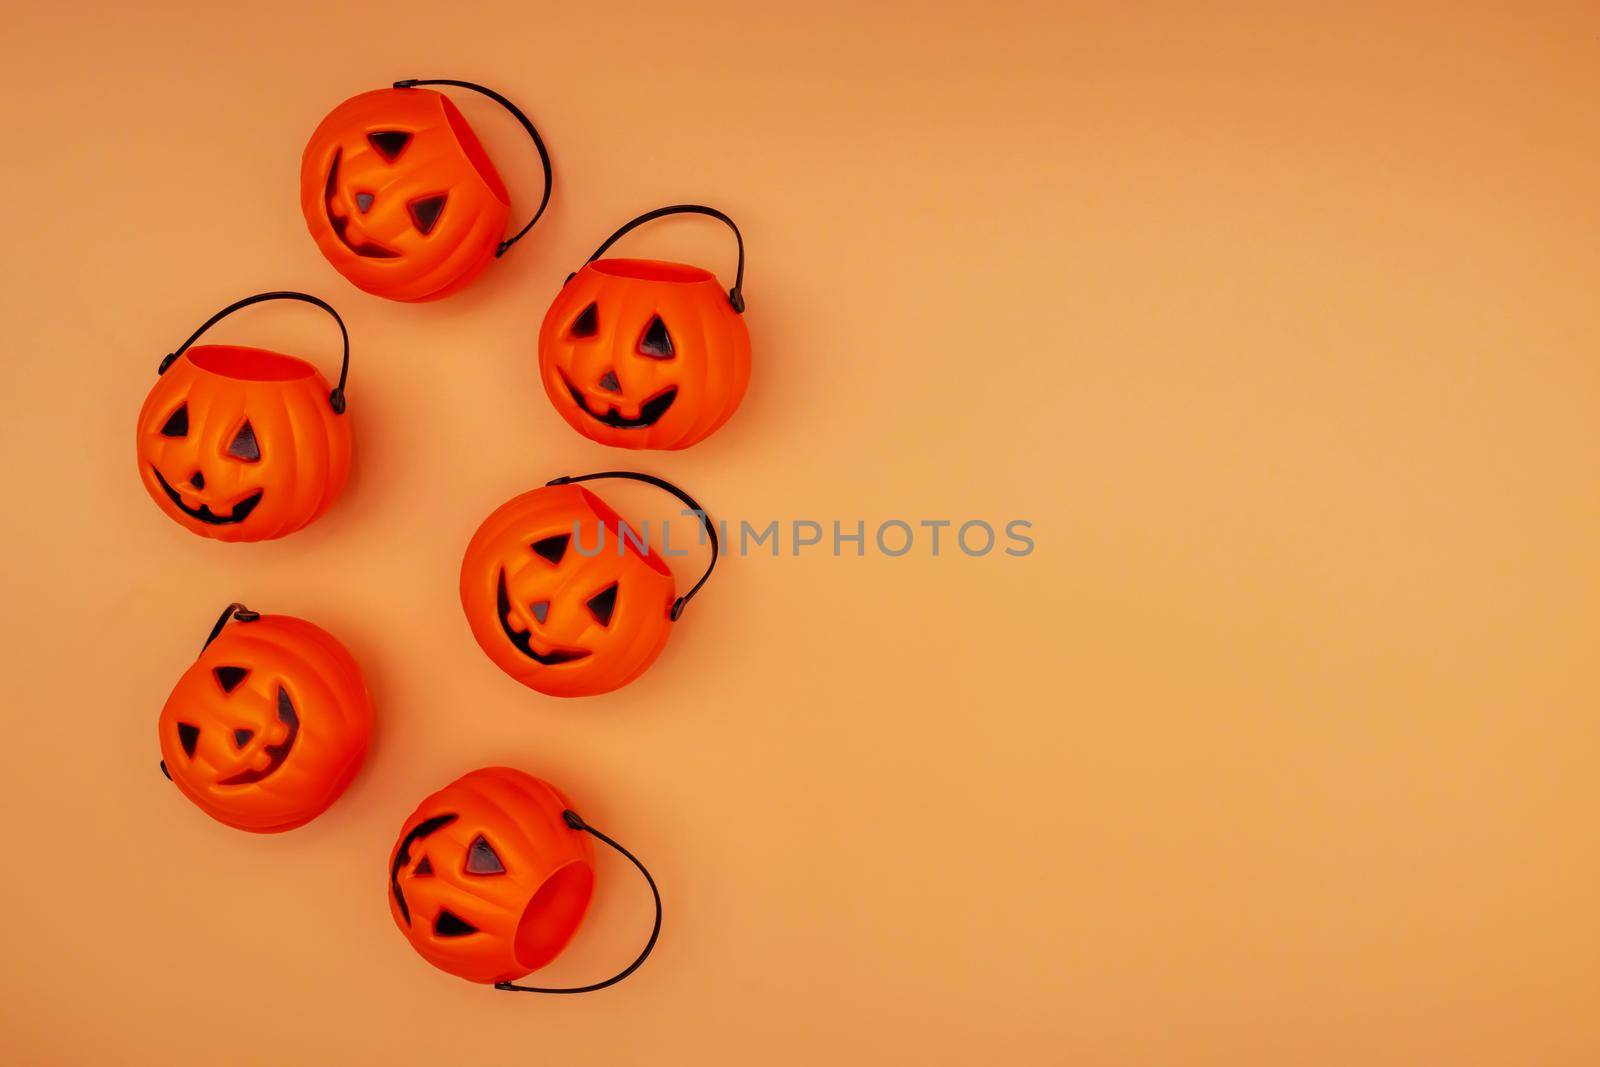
[
  {"x": 650, "y": 411},
  {"x": 524, "y": 641},
  {"x": 238, "y": 513},
  {"x": 340, "y": 223},
  {"x": 276, "y": 754}
]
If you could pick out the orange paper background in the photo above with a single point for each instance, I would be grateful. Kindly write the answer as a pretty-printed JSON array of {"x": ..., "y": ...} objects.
[{"x": 1281, "y": 327}]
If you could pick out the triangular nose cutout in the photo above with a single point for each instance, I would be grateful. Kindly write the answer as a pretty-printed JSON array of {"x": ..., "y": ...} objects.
[
  {"x": 540, "y": 610},
  {"x": 364, "y": 202},
  {"x": 608, "y": 382}
]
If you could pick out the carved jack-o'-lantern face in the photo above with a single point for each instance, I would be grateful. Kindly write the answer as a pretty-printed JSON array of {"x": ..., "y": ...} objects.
[
  {"x": 487, "y": 880},
  {"x": 639, "y": 353},
  {"x": 560, "y": 598},
  {"x": 268, "y": 726},
  {"x": 400, "y": 195},
  {"x": 240, "y": 444}
]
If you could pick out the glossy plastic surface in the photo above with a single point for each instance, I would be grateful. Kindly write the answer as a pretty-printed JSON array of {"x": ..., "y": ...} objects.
[
  {"x": 600, "y": 362},
  {"x": 400, "y": 195},
  {"x": 553, "y": 552},
  {"x": 486, "y": 880},
  {"x": 268, "y": 726},
  {"x": 195, "y": 453}
]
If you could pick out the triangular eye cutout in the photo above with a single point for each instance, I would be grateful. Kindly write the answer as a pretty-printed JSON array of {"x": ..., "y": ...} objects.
[
  {"x": 177, "y": 424},
  {"x": 481, "y": 858},
  {"x": 656, "y": 342},
  {"x": 425, "y": 212},
  {"x": 389, "y": 143},
  {"x": 449, "y": 924},
  {"x": 587, "y": 324},
  {"x": 242, "y": 738},
  {"x": 423, "y": 869},
  {"x": 230, "y": 677},
  {"x": 286, "y": 713},
  {"x": 244, "y": 444},
  {"x": 188, "y": 737},
  {"x": 552, "y": 548},
  {"x": 603, "y": 603}
]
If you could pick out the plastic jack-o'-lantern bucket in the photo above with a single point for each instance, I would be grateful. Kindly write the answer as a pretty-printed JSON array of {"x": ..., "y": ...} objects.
[
  {"x": 400, "y": 195},
  {"x": 242, "y": 444},
  {"x": 269, "y": 725},
  {"x": 641, "y": 353},
  {"x": 565, "y": 597},
  {"x": 492, "y": 876}
]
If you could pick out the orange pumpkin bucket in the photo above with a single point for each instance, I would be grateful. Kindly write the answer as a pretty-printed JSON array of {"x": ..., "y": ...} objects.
[
  {"x": 492, "y": 876},
  {"x": 243, "y": 444},
  {"x": 564, "y": 597},
  {"x": 269, "y": 725},
  {"x": 401, "y": 196},
  {"x": 643, "y": 353}
]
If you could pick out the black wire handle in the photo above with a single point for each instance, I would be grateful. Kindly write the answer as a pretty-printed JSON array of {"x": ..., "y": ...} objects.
[
  {"x": 736, "y": 294},
  {"x": 235, "y": 610},
  {"x": 577, "y": 823},
  {"x": 538, "y": 142},
  {"x": 650, "y": 479},
  {"x": 335, "y": 397}
]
